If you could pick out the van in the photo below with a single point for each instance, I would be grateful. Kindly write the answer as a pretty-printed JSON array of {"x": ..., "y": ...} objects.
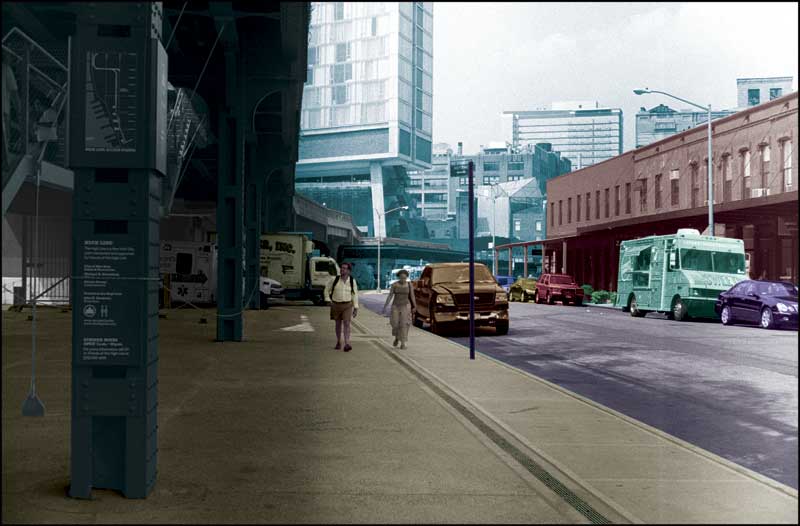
[{"x": 680, "y": 274}]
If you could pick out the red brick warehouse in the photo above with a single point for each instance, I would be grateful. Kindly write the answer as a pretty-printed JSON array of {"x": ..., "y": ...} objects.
[{"x": 661, "y": 187}]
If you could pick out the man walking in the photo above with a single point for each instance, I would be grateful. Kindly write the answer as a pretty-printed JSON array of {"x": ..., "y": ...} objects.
[{"x": 342, "y": 293}]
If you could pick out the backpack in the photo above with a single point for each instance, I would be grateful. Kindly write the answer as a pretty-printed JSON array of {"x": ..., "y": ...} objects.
[{"x": 336, "y": 280}]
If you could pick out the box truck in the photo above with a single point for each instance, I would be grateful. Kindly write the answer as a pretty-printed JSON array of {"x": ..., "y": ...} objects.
[
  {"x": 290, "y": 258},
  {"x": 679, "y": 274}
]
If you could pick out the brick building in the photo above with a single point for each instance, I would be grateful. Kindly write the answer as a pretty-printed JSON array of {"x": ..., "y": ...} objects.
[{"x": 661, "y": 187}]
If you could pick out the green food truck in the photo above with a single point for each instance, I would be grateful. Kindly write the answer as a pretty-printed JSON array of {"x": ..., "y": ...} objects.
[{"x": 680, "y": 274}]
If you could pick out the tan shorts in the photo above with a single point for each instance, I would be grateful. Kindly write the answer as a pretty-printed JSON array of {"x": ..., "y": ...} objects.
[{"x": 342, "y": 311}]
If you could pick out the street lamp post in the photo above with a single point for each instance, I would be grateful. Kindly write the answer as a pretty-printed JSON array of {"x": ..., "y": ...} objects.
[
  {"x": 380, "y": 215},
  {"x": 494, "y": 224},
  {"x": 710, "y": 163}
]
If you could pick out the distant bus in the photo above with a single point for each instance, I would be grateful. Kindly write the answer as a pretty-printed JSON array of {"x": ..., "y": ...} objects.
[{"x": 679, "y": 274}]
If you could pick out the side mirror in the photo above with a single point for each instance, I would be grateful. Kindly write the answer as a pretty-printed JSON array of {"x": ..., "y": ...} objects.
[{"x": 672, "y": 260}]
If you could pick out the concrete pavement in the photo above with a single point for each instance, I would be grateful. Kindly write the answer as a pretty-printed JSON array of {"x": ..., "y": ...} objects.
[{"x": 282, "y": 428}]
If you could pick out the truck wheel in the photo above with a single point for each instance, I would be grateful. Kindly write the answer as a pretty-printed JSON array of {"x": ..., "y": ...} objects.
[
  {"x": 634, "y": 308},
  {"x": 501, "y": 328},
  {"x": 679, "y": 312},
  {"x": 436, "y": 328}
]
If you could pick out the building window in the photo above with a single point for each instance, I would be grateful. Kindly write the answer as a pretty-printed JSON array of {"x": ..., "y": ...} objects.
[
  {"x": 491, "y": 166},
  {"x": 516, "y": 166},
  {"x": 616, "y": 200},
  {"x": 658, "y": 191},
  {"x": 597, "y": 204},
  {"x": 643, "y": 194},
  {"x": 578, "y": 209},
  {"x": 675, "y": 187},
  {"x": 310, "y": 76},
  {"x": 343, "y": 52},
  {"x": 374, "y": 31},
  {"x": 517, "y": 225},
  {"x": 552, "y": 214},
  {"x": 338, "y": 10},
  {"x": 569, "y": 210},
  {"x": 765, "y": 155},
  {"x": 727, "y": 178},
  {"x": 538, "y": 226},
  {"x": 340, "y": 94},
  {"x": 342, "y": 73},
  {"x": 746, "y": 174},
  {"x": 786, "y": 165},
  {"x": 588, "y": 202},
  {"x": 753, "y": 97},
  {"x": 463, "y": 181},
  {"x": 627, "y": 198},
  {"x": 491, "y": 179},
  {"x": 515, "y": 177},
  {"x": 774, "y": 93},
  {"x": 608, "y": 201},
  {"x": 312, "y": 56},
  {"x": 695, "y": 196},
  {"x": 559, "y": 212}
]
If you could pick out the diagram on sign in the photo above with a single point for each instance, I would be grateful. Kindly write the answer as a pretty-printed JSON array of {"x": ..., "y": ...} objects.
[{"x": 111, "y": 87}]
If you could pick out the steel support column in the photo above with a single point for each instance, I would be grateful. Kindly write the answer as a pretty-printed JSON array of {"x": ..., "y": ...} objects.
[
  {"x": 525, "y": 260},
  {"x": 253, "y": 200},
  {"x": 230, "y": 242},
  {"x": 118, "y": 153},
  {"x": 510, "y": 261}
]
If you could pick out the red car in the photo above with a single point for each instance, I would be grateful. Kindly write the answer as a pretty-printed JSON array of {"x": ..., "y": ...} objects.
[{"x": 558, "y": 287}]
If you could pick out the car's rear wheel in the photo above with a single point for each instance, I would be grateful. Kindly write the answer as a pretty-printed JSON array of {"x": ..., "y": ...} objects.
[
  {"x": 767, "y": 321},
  {"x": 725, "y": 316},
  {"x": 549, "y": 299},
  {"x": 536, "y": 297},
  {"x": 501, "y": 328},
  {"x": 525, "y": 297}
]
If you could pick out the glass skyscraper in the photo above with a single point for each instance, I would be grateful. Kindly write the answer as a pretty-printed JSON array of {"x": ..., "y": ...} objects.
[{"x": 367, "y": 110}]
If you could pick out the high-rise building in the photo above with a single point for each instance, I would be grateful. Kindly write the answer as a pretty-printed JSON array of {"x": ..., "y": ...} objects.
[
  {"x": 662, "y": 121},
  {"x": 754, "y": 91},
  {"x": 367, "y": 111},
  {"x": 580, "y": 130}
]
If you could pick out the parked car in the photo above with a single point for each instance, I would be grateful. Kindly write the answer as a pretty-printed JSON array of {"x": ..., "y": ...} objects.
[
  {"x": 558, "y": 287},
  {"x": 442, "y": 294},
  {"x": 768, "y": 303},
  {"x": 523, "y": 289},
  {"x": 504, "y": 281}
]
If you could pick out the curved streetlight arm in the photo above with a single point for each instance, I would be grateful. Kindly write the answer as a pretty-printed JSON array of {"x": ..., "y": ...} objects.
[{"x": 642, "y": 92}]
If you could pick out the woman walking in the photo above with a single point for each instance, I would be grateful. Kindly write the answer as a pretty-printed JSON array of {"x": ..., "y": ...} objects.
[{"x": 401, "y": 296}]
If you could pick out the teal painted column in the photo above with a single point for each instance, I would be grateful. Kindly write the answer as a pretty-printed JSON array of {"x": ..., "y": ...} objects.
[
  {"x": 117, "y": 150},
  {"x": 254, "y": 189},
  {"x": 230, "y": 232}
]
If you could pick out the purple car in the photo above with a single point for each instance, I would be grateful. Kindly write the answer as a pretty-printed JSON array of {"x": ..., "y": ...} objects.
[{"x": 768, "y": 303}]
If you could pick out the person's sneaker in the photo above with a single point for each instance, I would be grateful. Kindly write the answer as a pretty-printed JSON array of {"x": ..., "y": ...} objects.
[
  {"x": 338, "y": 346},
  {"x": 347, "y": 347},
  {"x": 395, "y": 343}
]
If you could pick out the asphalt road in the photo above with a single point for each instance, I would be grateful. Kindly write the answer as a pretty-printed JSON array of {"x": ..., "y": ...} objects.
[{"x": 729, "y": 390}]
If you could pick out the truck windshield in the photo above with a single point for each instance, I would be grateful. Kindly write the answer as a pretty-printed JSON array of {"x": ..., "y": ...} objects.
[
  {"x": 710, "y": 261},
  {"x": 461, "y": 275}
]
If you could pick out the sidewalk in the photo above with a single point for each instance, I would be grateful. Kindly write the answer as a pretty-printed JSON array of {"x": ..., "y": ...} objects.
[
  {"x": 282, "y": 428},
  {"x": 279, "y": 428}
]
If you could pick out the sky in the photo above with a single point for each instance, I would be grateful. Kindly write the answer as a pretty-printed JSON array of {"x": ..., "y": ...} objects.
[{"x": 495, "y": 57}]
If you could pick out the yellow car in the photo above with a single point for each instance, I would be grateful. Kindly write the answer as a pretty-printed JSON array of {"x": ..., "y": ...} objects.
[{"x": 522, "y": 290}]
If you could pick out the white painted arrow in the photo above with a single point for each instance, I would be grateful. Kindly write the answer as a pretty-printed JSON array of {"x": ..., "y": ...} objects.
[{"x": 303, "y": 326}]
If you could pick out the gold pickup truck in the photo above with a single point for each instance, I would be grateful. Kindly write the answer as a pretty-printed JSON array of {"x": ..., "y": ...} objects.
[{"x": 442, "y": 294}]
